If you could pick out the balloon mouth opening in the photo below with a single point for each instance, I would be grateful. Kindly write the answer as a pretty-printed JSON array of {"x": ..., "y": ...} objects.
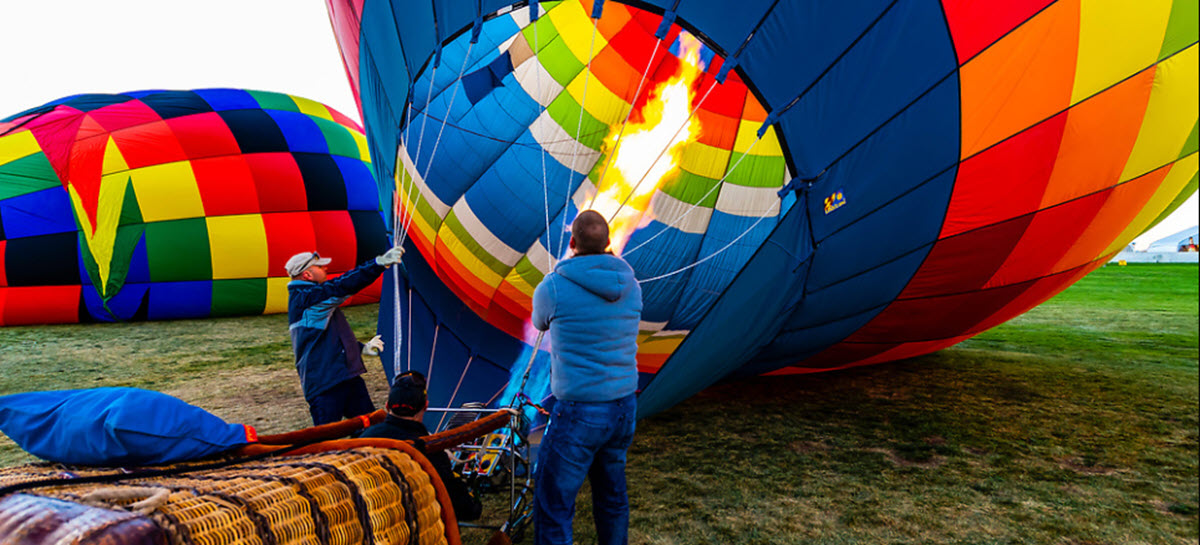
[
  {"x": 644, "y": 152},
  {"x": 635, "y": 135},
  {"x": 605, "y": 116}
]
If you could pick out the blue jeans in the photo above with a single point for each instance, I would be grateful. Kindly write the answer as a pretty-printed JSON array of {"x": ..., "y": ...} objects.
[{"x": 584, "y": 439}]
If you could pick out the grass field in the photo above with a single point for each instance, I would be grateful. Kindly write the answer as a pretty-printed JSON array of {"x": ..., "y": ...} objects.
[{"x": 1075, "y": 424}]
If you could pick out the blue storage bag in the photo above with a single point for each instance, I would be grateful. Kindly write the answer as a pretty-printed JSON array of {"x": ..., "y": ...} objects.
[{"x": 115, "y": 427}]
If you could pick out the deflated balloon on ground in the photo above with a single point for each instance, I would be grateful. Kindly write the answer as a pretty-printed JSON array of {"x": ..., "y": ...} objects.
[{"x": 176, "y": 204}]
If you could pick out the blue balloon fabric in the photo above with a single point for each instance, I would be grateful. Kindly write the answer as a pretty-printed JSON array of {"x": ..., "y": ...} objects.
[
  {"x": 115, "y": 427},
  {"x": 868, "y": 181}
]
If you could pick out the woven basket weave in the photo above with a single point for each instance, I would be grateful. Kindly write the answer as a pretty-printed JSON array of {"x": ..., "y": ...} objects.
[{"x": 375, "y": 496}]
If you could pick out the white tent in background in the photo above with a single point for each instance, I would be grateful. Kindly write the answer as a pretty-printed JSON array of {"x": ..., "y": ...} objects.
[
  {"x": 1163, "y": 250},
  {"x": 1172, "y": 243}
]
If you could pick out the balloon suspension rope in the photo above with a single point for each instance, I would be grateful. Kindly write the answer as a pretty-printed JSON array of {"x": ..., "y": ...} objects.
[{"x": 529, "y": 367}]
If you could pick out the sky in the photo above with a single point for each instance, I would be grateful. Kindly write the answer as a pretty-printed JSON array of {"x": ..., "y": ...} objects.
[
  {"x": 50, "y": 49},
  {"x": 55, "y": 48}
]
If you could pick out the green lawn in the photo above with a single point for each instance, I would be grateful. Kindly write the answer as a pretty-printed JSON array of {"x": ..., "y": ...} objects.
[{"x": 1073, "y": 424}]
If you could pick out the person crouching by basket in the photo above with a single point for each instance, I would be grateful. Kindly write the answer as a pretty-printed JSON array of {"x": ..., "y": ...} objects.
[
  {"x": 328, "y": 355},
  {"x": 406, "y": 404}
]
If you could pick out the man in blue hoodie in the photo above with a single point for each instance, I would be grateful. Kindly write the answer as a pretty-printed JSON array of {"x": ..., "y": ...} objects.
[
  {"x": 328, "y": 355},
  {"x": 592, "y": 305}
]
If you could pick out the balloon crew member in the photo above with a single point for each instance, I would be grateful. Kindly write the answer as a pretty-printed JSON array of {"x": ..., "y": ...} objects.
[
  {"x": 406, "y": 406},
  {"x": 328, "y": 355},
  {"x": 591, "y": 304}
]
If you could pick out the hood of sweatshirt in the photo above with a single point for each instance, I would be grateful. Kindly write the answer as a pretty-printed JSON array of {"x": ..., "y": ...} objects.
[{"x": 605, "y": 275}]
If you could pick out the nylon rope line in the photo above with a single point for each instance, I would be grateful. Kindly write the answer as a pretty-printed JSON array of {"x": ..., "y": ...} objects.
[
  {"x": 537, "y": 343},
  {"x": 537, "y": 45},
  {"x": 709, "y": 256},
  {"x": 407, "y": 141},
  {"x": 437, "y": 328},
  {"x": 535, "y": 145},
  {"x": 566, "y": 193},
  {"x": 408, "y": 362},
  {"x": 417, "y": 199},
  {"x": 587, "y": 74},
  {"x": 450, "y": 404},
  {"x": 437, "y": 143},
  {"x": 397, "y": 338},
  {"x": 397, "y": 236},
  {"x": 400, "y": 236},
  {"x": 696, "y": 204},
  {"x": 425, "y": 117},
  {"x": 496, "y": 395},
  {"x": 723, "y": 248},
  {"x": 691, "y": 114},
  {"x": 621, "y": 133}
]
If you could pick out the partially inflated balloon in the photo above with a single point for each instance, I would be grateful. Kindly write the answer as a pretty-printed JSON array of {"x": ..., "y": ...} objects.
[
  {"x": 848, "y": 183},
  {"x": 176, "y": 204}
]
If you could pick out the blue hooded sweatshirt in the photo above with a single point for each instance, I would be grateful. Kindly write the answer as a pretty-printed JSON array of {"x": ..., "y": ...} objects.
[{"x": 592, "y": 306}]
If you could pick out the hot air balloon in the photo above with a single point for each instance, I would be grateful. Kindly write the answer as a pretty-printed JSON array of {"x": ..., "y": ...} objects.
[
  {"x": 176, "y": 204},
  {"x": 800, "y": 186}
]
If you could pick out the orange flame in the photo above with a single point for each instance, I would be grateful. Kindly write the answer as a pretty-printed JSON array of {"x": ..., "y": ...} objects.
[{"x": 649, "y": 152}]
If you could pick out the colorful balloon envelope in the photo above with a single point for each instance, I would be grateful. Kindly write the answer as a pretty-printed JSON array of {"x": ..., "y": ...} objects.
[
  {"x": 799, "y": 186},
  {"x": 176, "y": 204}
]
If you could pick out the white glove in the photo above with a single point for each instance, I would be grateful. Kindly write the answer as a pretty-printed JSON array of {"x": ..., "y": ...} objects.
[
  {"x": 373, "y": 347},
  {"x": 390, "y": 257}
]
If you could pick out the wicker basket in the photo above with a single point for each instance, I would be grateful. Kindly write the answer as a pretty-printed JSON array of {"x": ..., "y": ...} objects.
[{"x": 363, "y": 494}]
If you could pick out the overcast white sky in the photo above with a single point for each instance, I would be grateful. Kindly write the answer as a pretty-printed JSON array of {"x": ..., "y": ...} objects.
[{"x": 55, "y": 48}]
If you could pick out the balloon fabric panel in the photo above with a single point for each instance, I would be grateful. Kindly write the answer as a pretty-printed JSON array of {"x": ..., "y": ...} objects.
[
  {"x": 1020, "y": 80},
  {"x": 164, "y": 204},
  {"x": 944, "y": 166},
  {"x": 977, "y": 25},
  {"x": 1095, "y": 138},
  {"x": 1180, "y": 183},
  {"x": 479, "y": 231}
]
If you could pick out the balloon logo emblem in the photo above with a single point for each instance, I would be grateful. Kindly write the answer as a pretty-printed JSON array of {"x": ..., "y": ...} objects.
[{"x": 835, "y": 201}]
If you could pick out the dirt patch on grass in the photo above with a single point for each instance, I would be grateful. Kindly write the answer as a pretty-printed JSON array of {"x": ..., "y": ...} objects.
[
  {"x": 890, "y": 392},
  {"x": 268, "y": 398},
  {"x": 1077, "y": 465},
  {"x": 900, "y": 461},
  {"x": 1162, "y": 507},
  {"x": 1175, "y": 509},
  {"x": 808, "y": 447}
]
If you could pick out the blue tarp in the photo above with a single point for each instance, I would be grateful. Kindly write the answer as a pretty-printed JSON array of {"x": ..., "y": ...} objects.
[{"x": 115, "y": 427}]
